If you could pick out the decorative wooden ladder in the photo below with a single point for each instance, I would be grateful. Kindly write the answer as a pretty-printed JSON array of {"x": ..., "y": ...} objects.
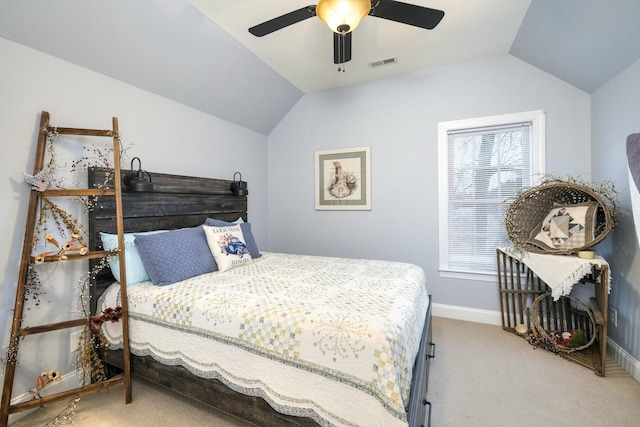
[{"x": 19, "y": 332}]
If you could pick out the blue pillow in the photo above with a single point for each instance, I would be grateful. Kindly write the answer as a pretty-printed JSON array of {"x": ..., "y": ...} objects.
[
  {"x": 136, "y": 273},
  {"x": 246, "y": 232},
  {"x": 175, "y": 255}
]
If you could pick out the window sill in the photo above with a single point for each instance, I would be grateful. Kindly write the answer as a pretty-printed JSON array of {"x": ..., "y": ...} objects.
[{"x": 484, "y": 276}]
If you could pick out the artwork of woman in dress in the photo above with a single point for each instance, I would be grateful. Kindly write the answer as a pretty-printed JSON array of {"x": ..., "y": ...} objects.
[
  {"x": 342, "y": 183},
  {"x": 343, "y": 179}
]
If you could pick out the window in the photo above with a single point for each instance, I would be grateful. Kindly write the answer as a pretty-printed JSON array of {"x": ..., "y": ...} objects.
[{"x": 482, "y": 163}]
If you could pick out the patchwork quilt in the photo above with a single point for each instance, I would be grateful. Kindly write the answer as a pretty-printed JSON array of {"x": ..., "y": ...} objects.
[{"x": 331, "y": 339}]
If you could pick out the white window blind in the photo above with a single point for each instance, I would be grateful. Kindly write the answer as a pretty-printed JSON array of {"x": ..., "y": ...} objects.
[{"x": 486, "y": 162}]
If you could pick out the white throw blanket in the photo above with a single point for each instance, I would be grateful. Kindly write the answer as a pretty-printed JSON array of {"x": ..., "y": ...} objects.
[{"x": 559, "y": 272}]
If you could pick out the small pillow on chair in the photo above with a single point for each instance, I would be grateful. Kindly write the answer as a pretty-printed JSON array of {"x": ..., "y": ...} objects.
[{"x": 566, "y": 227}]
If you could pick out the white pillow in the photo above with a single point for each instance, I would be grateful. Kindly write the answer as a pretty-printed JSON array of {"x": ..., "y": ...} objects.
[{"x": 228, "y": 246}]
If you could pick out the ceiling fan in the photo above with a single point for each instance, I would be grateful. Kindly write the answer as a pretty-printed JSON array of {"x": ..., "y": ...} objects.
[{"x": 343, "y": 16}]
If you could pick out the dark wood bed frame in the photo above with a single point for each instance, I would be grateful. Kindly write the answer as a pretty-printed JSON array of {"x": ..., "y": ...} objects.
[{"x": 181, "y": 201}]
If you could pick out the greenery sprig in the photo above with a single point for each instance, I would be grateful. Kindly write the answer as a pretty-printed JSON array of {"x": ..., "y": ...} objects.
[
  {"x": 99, "y": 157},
  {"x": 605, "y": 189},
  {"x": 66, "y": 224},
  {"x": 88, "y": 363},
  {"x": 33, "y": 287}
]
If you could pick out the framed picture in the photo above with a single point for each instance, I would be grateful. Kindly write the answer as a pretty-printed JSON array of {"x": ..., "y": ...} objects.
[{"x": 343, "y": 179}]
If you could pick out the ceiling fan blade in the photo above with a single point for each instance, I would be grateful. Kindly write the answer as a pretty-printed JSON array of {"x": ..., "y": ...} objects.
[
  {"x": 283, "y": 21},
  {"x": 341, "y": 48},
  {"x": 406, "y": 13}
]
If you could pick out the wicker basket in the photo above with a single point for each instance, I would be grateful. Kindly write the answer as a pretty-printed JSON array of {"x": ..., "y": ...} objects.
[
  {"x": 564, "y": 315},
  {"x": 531, "y": 207}
]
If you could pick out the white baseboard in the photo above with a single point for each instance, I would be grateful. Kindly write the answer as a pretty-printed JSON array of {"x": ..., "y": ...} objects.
[
  {"x": 67, "y": 382},
  {"x": 624, "y": 359},
  {"x": 617, "y": 353},
  {"x": 468, "y": 314}
]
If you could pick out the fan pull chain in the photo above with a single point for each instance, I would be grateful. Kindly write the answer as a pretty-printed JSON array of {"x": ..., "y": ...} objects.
[
  {"x": 344, "y": 51},
  {"x": 342, "y": 67}
]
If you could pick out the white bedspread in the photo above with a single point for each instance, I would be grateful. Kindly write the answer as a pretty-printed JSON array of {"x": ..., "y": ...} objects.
[{"x": 332, "y": 339}]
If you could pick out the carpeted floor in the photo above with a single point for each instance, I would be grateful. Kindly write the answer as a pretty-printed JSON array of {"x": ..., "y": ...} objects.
[
  {"x": 152, "y": 406},
  {"x": 481, "y": 376},
  {"x": 484, "y": 376}
]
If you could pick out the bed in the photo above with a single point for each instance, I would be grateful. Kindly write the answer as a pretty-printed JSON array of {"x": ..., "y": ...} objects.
[{"x": 289, "y": 339}]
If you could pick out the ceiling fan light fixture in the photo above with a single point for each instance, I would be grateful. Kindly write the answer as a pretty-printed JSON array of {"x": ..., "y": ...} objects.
[{"x": 342, "y": 16}]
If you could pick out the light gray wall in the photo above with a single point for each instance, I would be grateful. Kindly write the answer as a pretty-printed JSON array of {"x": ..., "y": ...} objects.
[
  {"x": 616, "y": 114},
  {"x": 398, "y": 118},
  {"x": 167, "y": 136}
]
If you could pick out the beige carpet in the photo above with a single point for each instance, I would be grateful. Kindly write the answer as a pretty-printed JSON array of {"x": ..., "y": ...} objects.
[
  {"x": 481, "y": 376},
  {"x": 484, "y": 376}
]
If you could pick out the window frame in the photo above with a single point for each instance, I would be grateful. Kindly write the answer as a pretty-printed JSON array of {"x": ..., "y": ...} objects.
[{"x": 537, "y": 164}]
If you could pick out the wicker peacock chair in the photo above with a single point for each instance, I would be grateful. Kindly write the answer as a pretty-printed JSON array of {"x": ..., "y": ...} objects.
[{"x": 527, "y": 212}]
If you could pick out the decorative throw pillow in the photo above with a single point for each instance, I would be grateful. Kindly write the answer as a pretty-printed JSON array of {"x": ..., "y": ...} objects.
[
  {"x": 566, "y": 227},
  {"x": 246, "y": 231},
  {"x": 175, "y": 255},
  {"x": 227, "y": 244},
  {"x": 136, "y": 273}
]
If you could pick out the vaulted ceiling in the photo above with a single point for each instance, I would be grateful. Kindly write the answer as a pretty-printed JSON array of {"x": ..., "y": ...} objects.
[{"x": 199, "y": 52}]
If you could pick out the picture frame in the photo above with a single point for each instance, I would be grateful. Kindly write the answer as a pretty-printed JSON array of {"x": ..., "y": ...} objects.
[{"x": 343, "y": 179}]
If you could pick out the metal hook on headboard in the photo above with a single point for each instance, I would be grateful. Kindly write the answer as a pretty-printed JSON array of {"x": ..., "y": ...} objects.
[{"x": 239, "y": 188}]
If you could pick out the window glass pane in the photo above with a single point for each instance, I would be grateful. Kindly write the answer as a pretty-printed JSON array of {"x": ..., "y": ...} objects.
[{"x": 485, "y": 166}]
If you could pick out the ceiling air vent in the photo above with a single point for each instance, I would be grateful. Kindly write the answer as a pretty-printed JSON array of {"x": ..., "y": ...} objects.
[{"x": 382, "y": 62}]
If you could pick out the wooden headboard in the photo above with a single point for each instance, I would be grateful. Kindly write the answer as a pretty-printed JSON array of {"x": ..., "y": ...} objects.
[{"x": 176, "y": 201}]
